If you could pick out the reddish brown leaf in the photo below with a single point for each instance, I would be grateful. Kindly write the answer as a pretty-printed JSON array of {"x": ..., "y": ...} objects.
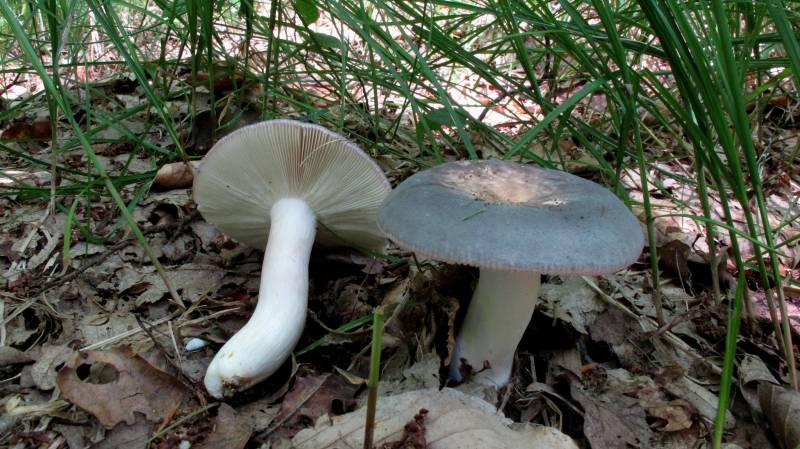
[
  {"x": 36, "y": 130},
  {"x": 128, "y": 384},
  {"x": 314, "y": 396}
]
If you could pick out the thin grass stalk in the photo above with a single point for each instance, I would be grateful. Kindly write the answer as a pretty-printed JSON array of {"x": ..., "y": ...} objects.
[
  {"x": 207, "y": 47},
  {"x": 192, "y": 15},
  {"x": 687, "y": 56},
  {"x": 655, "y": 279},
  {"x": 247, "y": 10},
  {"x": 693, "y": 124},
  {"x": 48, "y": 9},
  {"x": 112, "y": 26},
  {"x": 711, "y": 232},
  {"x": 734, "y": 319},
  {"x": 50, "y": 86},
  {"x": 742, "y": 128},
  {"x": 667, "y": 32},
  {"x": 629, "y": 92}
]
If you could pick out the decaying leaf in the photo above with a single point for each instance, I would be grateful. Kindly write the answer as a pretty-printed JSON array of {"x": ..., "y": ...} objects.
[
  {"x": 782, "y": 408},
  {"x": 231, "y": 430},
  {"x": 191, "y": 280},
  {"x": 127, "y": 436},
  {"x": 43, "y": 371},
  {"x": 128, "y": 384},
  {"x": 315, "y": 396},
  {"x": 613, "y": 424},
  {"x": 676, "y": 415},
  {"x": 454, "y": 420},
  {"x": 752, "y": 372},
  {"x": 572, "y": 301},
  {"x": 703, "y": 400}
]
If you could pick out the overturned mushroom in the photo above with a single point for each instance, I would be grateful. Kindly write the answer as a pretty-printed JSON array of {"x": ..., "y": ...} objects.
[
  {"x": 514, "y": 221},
  {"x": 300, "y": 183}
]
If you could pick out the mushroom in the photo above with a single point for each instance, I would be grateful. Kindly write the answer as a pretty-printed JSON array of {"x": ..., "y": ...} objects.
[
  {"x": 293, "y": 181},
  {"x": 513, "y": 221}
]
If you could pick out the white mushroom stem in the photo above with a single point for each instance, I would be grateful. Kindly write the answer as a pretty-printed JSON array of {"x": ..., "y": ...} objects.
[
  {"x": 498, "y": 315},
  {"x": 267, "y": 340}
]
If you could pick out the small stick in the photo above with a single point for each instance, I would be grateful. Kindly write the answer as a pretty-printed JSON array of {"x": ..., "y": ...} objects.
[{"x": 374, "y": 374}]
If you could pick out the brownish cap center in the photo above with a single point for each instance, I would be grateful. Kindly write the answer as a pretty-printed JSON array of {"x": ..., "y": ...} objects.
[{"x": 506, "y": 184}]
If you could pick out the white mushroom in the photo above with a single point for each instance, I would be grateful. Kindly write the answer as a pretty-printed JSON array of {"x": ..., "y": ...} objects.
[
  {"x": 514, "y": 221},
  {"x": 294, "y": 181}
]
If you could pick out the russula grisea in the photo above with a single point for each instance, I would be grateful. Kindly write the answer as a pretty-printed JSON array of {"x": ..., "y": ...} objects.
[
  {"x": 298, "y": 183},
  {"x": 514, "y": 221}
]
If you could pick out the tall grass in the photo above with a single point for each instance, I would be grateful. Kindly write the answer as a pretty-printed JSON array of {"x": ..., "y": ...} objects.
[{"x": 416, "y": 80}]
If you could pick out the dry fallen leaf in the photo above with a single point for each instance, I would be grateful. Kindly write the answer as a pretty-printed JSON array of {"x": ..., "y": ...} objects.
[
  {"x": 782, "y": 408},
  {"x": 43, "y": 371},
  {"x": 454, "y": 420},
  {"x": 124, "y": 436},
  {"x": 315, "y": 396},
  {"x": 129, "y": 384},
  {"x": 613, "y": 424},
  {"x": 231, "y": 430},
  {"x": 572, "y": 302},
  {"x": 676, "y": 415}
]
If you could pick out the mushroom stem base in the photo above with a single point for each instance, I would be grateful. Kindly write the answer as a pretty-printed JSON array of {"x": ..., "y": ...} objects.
[{"x": 498, "y": 315}]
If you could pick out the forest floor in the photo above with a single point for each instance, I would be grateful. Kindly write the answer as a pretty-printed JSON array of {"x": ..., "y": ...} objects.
[{"x": 93, "y": 349}]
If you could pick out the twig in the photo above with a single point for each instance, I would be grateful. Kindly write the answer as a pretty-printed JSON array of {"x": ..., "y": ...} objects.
[
  {"x": 132, "y": 332},
  {"x": 675, "y": 321},
  {"x": 177, "y": 366},
  {"x": 648, "y": 323},
  {"x": 113, "y": 249},
  {"x": 374, "y": 375}
]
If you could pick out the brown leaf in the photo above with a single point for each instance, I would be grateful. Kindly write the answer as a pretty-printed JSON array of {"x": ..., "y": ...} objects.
[
  {"x": 124, "y": 436},
  {"x": 673, "y": 257},
  {"x": 782, "y": 408},
  {"x": 676, "y": 414},
  {"x": 177, "y": 175},
  {"x": 37, "y": 130},
  {"x": 130, "y": 385},
  {"x": 314, "y": 396},
  {"x": 231, "y": 430},
  {"x": 613, "y": 424}
]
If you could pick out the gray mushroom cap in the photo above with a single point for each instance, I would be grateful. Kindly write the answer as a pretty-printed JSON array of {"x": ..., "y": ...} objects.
[{"x": 509, "y": 216}]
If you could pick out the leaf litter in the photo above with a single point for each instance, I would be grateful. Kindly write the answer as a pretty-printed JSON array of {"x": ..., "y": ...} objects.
[{"x": 593, "y": 365}]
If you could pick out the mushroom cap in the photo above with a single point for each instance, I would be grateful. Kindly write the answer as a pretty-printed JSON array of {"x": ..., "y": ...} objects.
[
  {"x": 249, "y": 170},
  {"x": 509, "y": 216}
]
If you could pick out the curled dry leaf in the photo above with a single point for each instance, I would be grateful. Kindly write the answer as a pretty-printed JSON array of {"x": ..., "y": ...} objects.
[
  {"x": 128, "y": 384},
  {"x": 454, "y": 420},
  {"x": 782, "y": 408},
  {"x": 177, "y": 175}
]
